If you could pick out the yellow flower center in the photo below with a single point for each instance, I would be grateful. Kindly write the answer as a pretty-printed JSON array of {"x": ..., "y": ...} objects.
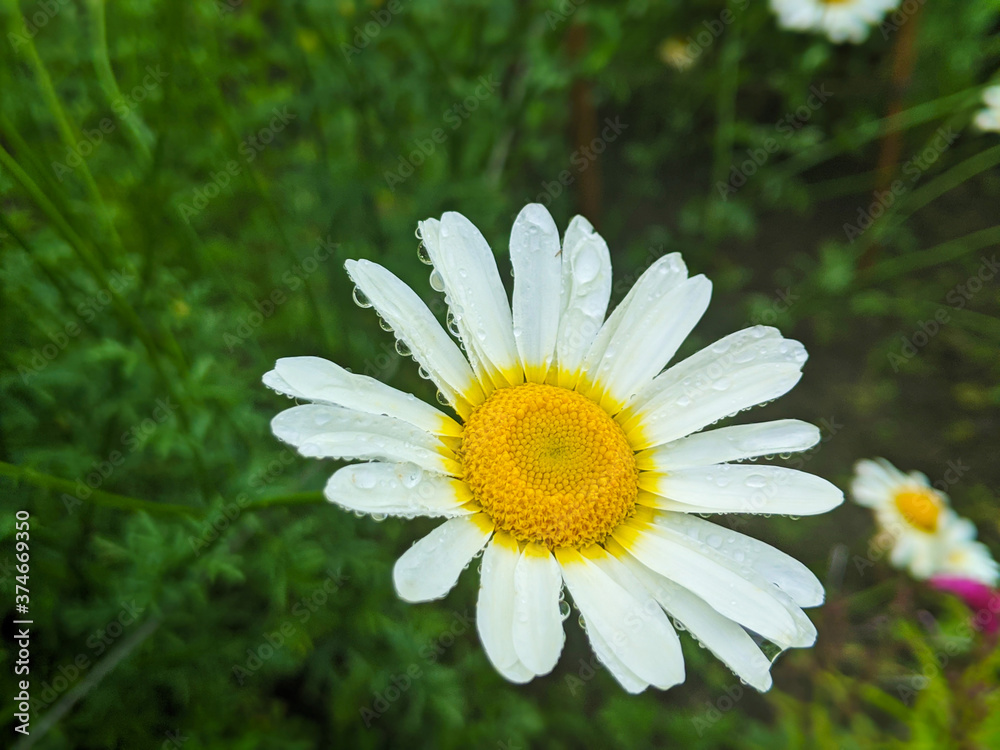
[
  {"x": 549, "y": 465},
  {"x": 920, "y": 506}
]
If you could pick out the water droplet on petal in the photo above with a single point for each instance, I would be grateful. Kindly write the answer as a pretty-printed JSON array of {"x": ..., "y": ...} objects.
[
  {"x": 424, "y": 254},
  {"x": 360, "y": 299},
  {"x": 437, "y": 281}
]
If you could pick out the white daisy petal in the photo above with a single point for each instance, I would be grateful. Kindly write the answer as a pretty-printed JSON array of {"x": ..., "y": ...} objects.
[
  {"x": 720, "y": 635},
  {"x": 644, "y": 332},
  {"x": 741, "y": 488},
  {"x": 782, "y": 570},
  {"x": 733, "y": 590},
  {"x": 730, "y": 444},
  {"x": 495, "y": 608},
  {"x": 397, "y": 490},
  {"x": 739, "y": 371},
  {"x": 585, "y": 291},
  {"x": 534, "y": 253},
  {"x": 322, "y": 431},
  {"x": 417, "y": 327},
  {"x": 843, "y": 21},
  {"x": 629, "y": 622},
  {"x": 318, "y": 379},
  {"x": 649, "y": 336},
  {"x": 431, "y": 567},
  {"x": 275, "y": 382},
  {"x": 476, "y": 296},
  {"x": 663, "y": 275},
  {"x": 538, "y": 630},
  {"x": 609, "y": 658}
]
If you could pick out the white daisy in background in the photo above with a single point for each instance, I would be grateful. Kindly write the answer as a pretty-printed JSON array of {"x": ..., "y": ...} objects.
[
  {"x": 841, "y": 20},
  {"x": 989, "y": 118},
  {"x": 574, "y": 460},
  {"x": 927, "y": 537}
]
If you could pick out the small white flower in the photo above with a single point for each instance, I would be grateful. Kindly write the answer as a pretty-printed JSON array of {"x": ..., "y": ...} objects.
[
  {"x": 574, "y": 460},
  {"x": 925, "y": 534},
  {"x": 989, "y": 118},
  {"x": 841, "y": 20}
]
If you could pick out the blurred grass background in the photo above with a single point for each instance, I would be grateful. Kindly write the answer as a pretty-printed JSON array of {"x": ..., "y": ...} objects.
[{"x": 180, "y": 185}]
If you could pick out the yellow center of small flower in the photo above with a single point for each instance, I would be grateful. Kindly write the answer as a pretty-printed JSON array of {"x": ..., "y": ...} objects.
[
  {"x": 549, "y": 465},
  {"x": 921, "y": 507}
]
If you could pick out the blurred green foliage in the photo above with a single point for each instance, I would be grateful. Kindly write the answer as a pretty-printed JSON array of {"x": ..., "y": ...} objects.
[{"x": 180, "y": 185}]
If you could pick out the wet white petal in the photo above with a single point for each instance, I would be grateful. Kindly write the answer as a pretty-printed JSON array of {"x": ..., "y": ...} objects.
[
  {"x": 495, "y": 608},
  {"x": 741, "y": 488},
  {"x": 733, "y": 590},
  {"x": 475, "y": 295},
  {"x": 585, "y": 291},
  {"x": 739, "y": 371},
  {"x": 322, "y": 431},
  {"x": 538, "y": 630},
  {"x": 782, "y": 570},
  {"x": 397, "y": 490},
  {"x": 431, "y": 567},
  {"x": 318, "y": 379},
  {"x": 720, "y": 635},
  {"x": 663, "y": 276},
  {"x": 626, "y": 619},
  {"x": 534, "y": 253},
  {"x": 730, "y": 444},
  {"x": 416, "y": 325},
  {"x": 647, "y": 338}
]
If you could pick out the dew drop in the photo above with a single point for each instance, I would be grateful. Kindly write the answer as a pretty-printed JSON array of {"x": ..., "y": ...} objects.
[
  {"x": 564, "y": 609},
  {"x": 384, "y": 325},
  {"x": 441, "y": 399},
  {"x": 402, "y": 349},
  {"x": 437, "y": 281},
  {"x": 424, "y": 254},
  {"x": 360, "y": 299}
]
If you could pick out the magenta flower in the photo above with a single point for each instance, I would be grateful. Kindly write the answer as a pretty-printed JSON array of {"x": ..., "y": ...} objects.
[{"x": 983, "y": 600}]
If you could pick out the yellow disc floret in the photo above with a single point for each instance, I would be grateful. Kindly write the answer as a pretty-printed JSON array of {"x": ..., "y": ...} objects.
[
  {"x": 920, "y": 506},
  {"x": 549, "y": 465}
]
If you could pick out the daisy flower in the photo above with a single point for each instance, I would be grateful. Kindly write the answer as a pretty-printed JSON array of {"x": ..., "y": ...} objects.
[
  {"x": 927, "y": 537},
  {"x": 841, "y": 20},
  {"x": 574, "y": 461},
  {"x": 989, "y": 118}
]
